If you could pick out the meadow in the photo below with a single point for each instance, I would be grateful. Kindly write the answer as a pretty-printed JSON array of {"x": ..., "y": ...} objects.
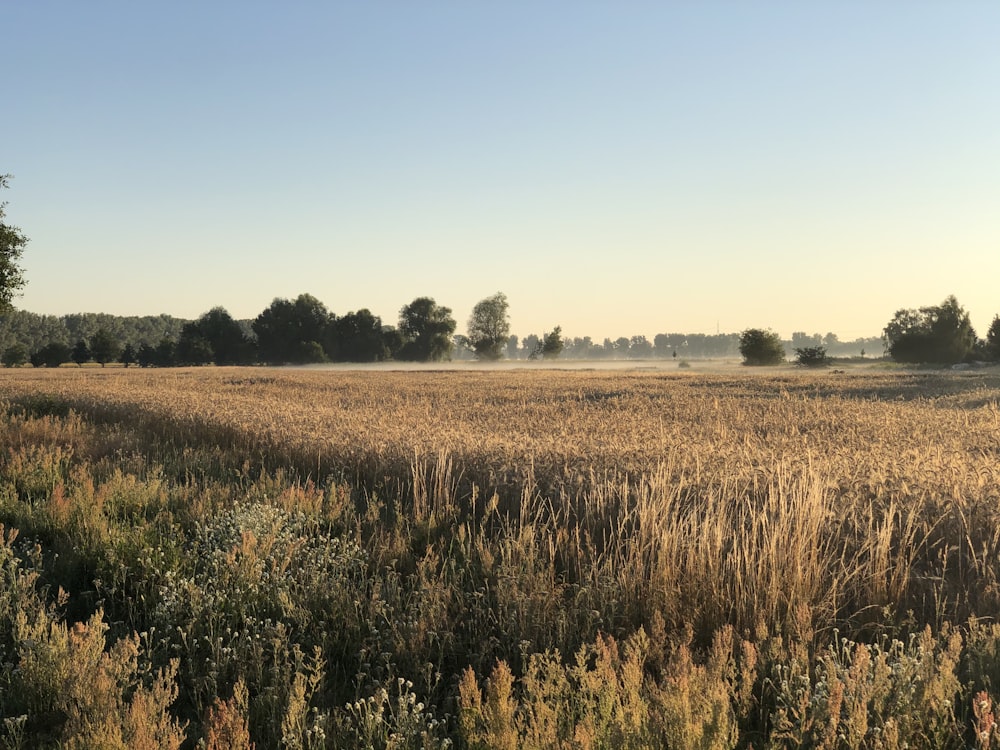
[{"x": 536, "y": 558}]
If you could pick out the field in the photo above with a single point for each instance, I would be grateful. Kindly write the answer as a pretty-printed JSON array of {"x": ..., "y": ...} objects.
[{"x": 515, "y": 558}]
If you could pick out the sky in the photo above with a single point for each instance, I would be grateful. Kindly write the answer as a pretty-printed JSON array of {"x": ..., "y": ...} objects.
[{"x": 615, "y": 168}]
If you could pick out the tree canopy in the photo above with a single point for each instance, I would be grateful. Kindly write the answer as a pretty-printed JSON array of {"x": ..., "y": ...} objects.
[
  {"x": 216, "y": 337},
  {"x": 51, "y": 355},
  {"x": 552, "y": 343},
  {"x": 292, "y": 331},
  {"x": 105, "y": 347},
  {"x": 993, "y": 338},
  {"x": 940, "y": 334},
  {"x": 489, "y": 327},
  {"x": 761, "y": 347},
  {"x": 426, "y": 328},
  {"x": 81, "y": 352},
  {"x": 360, "y": 337},
  {"x": 12, "y": 243}
]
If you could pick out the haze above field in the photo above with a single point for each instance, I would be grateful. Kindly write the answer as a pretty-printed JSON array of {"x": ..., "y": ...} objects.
[{"x": 616, "y": 170}]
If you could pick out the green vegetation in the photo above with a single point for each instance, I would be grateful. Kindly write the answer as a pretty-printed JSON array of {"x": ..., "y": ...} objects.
[
  {"x": 812, "y": 356},
  {"x": 941, "y": 334},
  {"x": 993, "y": 338},
  {"x": 15, "y": 356},
  {"x": 552, "y": 344},
  {"x": 292, "y": 334},
  {"x": 761, "y": 347},
  {"x": 426, "y": 329},
  {"x": 489, "y": 327},
  {"x": 12, "y": 244},
  {"x": 395, "y": 560},
  {"x": 104, "y": 347}
]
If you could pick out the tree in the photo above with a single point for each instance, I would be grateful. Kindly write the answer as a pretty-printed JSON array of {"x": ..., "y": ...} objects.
[
  {"x": 427, "y": 328},
  {"x": 214, "y": 337},
  {"x": 15, "y": 356},
  {"x": 393, "y": 341},
  {"x": 489, "y": 327},
  {"x": 512, "y": 345},
  {"x": 293, "y": 331},
  {"x": 359, "y": 337},
  {"x": 461, "y": 347},
  {"x": 552, "y": 343},
  {"x": 226, "y": 342},
  {"x": 802, "y": 340},
  {"x": 104, "y": 347},
  {"x": 639, "y": 346},
  {"x": 812, "y": 356},
  {"x": 165, "y": 354},
  {"x": 761, "y": 347},
  {"x": 52, "y": 354},
  {"x": 993, "y": 338},
  {"x": 81, "y": 353},
  {"x": 531, "y": 345},
  {"x": 146, "y": 356},
  {"x": 941, "y": 334},
  {"x": 192, "y": 347},
  {"x": 579, "y": 347},
  {"x": 129, "y": 355},
  {"x": 12, "y": 243}
]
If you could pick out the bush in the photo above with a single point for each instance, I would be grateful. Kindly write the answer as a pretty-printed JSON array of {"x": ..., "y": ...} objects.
[
  {"x": 812, "y": 356},
  {"x": 761, "y": 347}
]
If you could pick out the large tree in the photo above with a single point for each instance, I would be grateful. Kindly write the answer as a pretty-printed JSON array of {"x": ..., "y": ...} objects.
[
  {"x": 940, "y": 334},
  {"x": 489, "y": 327},
  {"x": 81, "y": 353},
  {"x": 993, "y": 338},
  {"x": 360, "y": 337},
  {"x": 761, "y": 347},
  {"x": 51, "y": 355},
  {"x": 12, "y": 242},
  {"x": 104, "y": 347},
  {"x": 293, "y": 331},
  {"x": 552, "y": 343},
  {"x": 192, "y": 347},
  {"x": 14, "y": 356},
  {"x": 224, "y": 338},
  {"x": 426, "y": 328}
]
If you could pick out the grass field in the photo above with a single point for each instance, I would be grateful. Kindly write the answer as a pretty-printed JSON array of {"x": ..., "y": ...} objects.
[{"x": 516, "y": 558}]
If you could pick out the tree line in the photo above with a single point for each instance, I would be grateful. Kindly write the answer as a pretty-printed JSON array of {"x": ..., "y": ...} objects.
[
  {"x": 935, "y": 334},
  {"x": 304, "y": 331}
]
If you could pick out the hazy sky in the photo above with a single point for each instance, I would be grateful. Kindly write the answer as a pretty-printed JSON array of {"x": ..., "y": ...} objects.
[{"x": 618, "y": 168}]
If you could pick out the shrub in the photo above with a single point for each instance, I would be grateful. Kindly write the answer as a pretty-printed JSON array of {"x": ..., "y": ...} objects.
[{"x": 812, "y": 356}]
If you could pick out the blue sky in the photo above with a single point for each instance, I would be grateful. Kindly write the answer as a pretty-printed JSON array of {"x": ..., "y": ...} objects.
[{"x": 614, "y": 168}]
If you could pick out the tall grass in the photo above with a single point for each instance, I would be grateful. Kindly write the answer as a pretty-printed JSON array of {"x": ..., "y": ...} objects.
[{"x": 513, "y": 559}]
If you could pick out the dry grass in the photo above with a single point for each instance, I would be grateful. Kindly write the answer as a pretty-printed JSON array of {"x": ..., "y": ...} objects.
[
  {"x": 875, "y": 491},
  {"x": 725, "y": 529}
]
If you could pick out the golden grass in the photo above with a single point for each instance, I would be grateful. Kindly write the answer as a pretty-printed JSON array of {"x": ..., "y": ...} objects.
[
  {"x": 566, "y": 425},
  {"x": 728, "y": 499},
  {"x": 521, "y": 514}
]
